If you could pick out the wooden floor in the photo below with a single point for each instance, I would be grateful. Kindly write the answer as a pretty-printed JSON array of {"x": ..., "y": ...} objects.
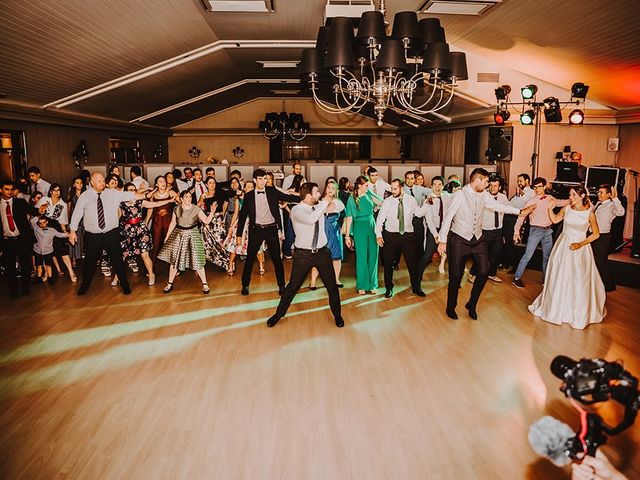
[{"x": 187, "y": 386}]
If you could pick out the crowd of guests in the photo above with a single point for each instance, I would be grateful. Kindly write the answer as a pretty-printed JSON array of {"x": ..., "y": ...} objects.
[{"x": 187, "y": 218}]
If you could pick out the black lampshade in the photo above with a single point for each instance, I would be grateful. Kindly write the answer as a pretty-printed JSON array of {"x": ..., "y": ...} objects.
[
  {"x": 340, "y": 52},
  {"x": 459, "y": 66},
  {"x": 371, "y": 29},
  {"x": 437, "y": 59},
  {"x": 323, "y": 39},
  {"x": 311, "y": 61},
  {"x": 361, "y": 53},
  {"x": 431, "y": 31},
  {"x": 405, "y": 25},
  {"x": 391, "y": 56}
]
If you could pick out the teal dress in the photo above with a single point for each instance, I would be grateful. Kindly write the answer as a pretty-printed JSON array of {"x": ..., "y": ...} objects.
[{"x": 364, "y": 239}]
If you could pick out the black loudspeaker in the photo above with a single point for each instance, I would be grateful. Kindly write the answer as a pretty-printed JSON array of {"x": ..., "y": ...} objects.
[{"x": 500, "y": 144}]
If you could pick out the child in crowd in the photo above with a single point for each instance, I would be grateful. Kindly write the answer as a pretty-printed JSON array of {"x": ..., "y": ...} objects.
[{"x": 43, "y": 248}]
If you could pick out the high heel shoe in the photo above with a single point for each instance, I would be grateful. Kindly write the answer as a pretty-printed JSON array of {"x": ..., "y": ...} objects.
[
  {"x": 114, "y": 282},
  {"x": 168, "y": 288},
  {"x": 152, "y": 279},
  {"x": 231, "y": 270},
  {"x": 205, "y": 288}
]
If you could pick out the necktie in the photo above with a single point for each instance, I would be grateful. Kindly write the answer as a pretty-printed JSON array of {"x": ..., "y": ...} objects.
[
  {"x": 316, "y": 232},
  {"x": 101, "y": 222},
  {"x": 260, "y": 192},
  {"x": 411, "y": 191},
  {"x": 400, "y": 215},
  {"x": 596, "y": 207},
  {"x": 440, "y": 212},
  {"x": 496, "y": 216},
  {"x": 10, "y": 221}
]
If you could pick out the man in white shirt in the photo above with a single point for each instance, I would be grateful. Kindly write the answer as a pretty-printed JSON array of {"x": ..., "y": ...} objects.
[
  {"x": 376, "y": 184},
  {"x": 461, "y": 236},
  {"x": 433, "y": 217},
  {"x": 311, "y": 251},
  {"x": 288, "y": 180},
  {"x": 184, "y": 183},
  {"x": 419, "y": 193},
  {"x": 136, "y": 178},
  {"x": 523, "y": 194},
  {"x": 394, "y": 232},
  {"x": 199, "y": 186},
  {"x": 38, "y": 184},
  {"x": 606, "y": 211}
]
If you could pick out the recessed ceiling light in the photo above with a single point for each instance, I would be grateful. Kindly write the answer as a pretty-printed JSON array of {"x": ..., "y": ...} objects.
[
  {"x": 457, "y": 7},
  {"x": 250, "y": 6},
  {"x": 279, "y": 63}
]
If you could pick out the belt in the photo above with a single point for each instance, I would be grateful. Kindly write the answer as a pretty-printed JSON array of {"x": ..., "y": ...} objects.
[
  {"x": 12, "y": 238},
  {"x": 134, "y": 221},
  {"x": 310, "y": 250},
  {"x": 186, "y": 228},
  {"x": 269, "y": 225},
  {"x": 544, "y": 228}
]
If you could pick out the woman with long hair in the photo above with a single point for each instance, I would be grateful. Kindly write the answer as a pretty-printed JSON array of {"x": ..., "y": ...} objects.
[
  {"x": 184, "y": 248},
  {"x": 160, "y": 216},
  {"x": 214, "y": 233},
  {"x": 76, "y": 251},
  {"x": 573, "y": 291},
  {"x": 333, "y": 231},
  {"x": 170, "y": 179},
  {"x": 360, "y": 223},
  {"x": 58, "y": 215},
  {"x": 235, "y": 190}
]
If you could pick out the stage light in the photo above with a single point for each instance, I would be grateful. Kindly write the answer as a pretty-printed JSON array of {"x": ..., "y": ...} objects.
[
  {"x": 576, "y": 117},
  {"x": 501, "y": 116},
  {"x": 552, "y": 112},
  {"x": 502, "y": 92},
  {"x": 528, "y": 117},
  {"x": 579, "y": 90},
  {"x": 529, "y": 91}
]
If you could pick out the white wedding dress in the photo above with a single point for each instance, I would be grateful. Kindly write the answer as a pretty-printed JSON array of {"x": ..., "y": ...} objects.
[{"x": 573, "y": 291}]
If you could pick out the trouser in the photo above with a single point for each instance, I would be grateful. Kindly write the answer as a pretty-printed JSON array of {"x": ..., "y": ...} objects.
[
  {"x": 425, "y": 259},
  {"x": 458, "y": 249},
  {"x": 289, "y": 234},
  {"x": 419, "y": 230},
  {"x": 394, "y": 244},
  {"x": 95, "y": 243},
  {"x": 303, "y": 261},
  {"x": 600, "y": 249},
  {"x": 13, "y": 249},
  {"x": 537, "y": 235},
  {"x": 257, "y": 235},
  {"x": 494, "y": 246},
  {"x": 509, "y": 249}
]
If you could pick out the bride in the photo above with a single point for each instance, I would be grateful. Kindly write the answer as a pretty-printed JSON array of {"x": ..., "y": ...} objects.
[{"x": 573, "y": 291}]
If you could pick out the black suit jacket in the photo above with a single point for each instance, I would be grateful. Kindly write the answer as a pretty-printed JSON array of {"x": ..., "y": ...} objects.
[
  {"x": 273, "y": 197},
  {"x": 19, "y": 210}
]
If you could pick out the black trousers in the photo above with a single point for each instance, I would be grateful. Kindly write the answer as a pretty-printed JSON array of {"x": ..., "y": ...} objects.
[
  {"x": 509, "y": 249},
  {"x": 303, "y": 262},
  {"x": 419, "y": 230},
  {"x": 494, "y": 245},
  {"x": 425, "y": 259},
  {"x": 458, "y": 250},
  {"x": 16, "y": 249},
  {"x": 600, "y": 249},
  {"x": 394, "y": 245},
  {"x": 257, "y": 235},
  {"x": 95, "y": 243}
]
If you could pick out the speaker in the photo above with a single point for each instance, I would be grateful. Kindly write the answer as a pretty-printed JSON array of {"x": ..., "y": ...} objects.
[{"x": 500, "y": 144}]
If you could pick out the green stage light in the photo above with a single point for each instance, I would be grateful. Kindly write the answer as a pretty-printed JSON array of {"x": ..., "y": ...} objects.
[
  {"x": 528, "y": 117},
  {"x": 529, "y": 91}
]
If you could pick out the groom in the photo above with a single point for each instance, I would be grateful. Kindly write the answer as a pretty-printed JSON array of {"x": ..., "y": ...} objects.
[{"x": 461, "y": 237}]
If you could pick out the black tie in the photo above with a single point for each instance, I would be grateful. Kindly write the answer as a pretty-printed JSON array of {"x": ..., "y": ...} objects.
[
  {"x": 101, "y": 222},
  {"x": 316, "y": 232},
  {"x": 440, "y": 212},
  {"x": 262, "y": 192},
  {"x": 497, "y": 217},
  {"x": 411, "y": 191},
  {"x": 596, "y": 207}
]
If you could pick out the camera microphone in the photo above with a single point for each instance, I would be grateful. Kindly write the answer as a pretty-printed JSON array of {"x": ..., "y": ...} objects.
[
  {"x": 552, "y": 439},
  {"x": 561, "y": 364}
]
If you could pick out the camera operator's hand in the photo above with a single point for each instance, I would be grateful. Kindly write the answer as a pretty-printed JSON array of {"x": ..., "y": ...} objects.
[{"x": 595, "y": 468}]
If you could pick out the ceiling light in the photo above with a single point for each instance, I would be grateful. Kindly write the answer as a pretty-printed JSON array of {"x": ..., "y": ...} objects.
[
  {"x": 461, "y": 7},
  {"x": 279, "y": 63},
  {"x": 248, "y": 6},
  {"x": 502, "y": 92},
  {"x": 576, "y": 117},
  {"x": 528, "y": 117},
  {"x": 501, "y": 116},
  {"x": 579, "y": 90},
  {"x": 552, "y": 112},
  {"x": 529, "y": 91}
]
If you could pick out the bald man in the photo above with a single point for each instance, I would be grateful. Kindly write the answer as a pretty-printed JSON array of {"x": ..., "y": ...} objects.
[{"x": 97, "y": 207}]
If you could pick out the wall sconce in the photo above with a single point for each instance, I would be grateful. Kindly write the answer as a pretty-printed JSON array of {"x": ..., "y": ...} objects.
[
  {"x": 194, "y": 152},
  {"x": 80, "y": 154},
  {"x": 238, "y": 152},
  {"x": 157, "y": 154}
]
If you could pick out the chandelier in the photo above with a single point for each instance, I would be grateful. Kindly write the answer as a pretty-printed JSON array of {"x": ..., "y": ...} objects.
[
  {"x": 411, "y": 71},
  {"x": 284, "y": 124}
]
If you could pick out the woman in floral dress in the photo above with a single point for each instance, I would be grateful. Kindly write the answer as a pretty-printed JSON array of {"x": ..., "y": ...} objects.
[{"x": 214, "y": 233}]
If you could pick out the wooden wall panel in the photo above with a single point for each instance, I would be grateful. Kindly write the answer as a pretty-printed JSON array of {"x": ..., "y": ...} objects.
[
  {"x": 629, "y": 158},
  {"x": 385, "y": 147},
  {"x": 256, "y": 148}
]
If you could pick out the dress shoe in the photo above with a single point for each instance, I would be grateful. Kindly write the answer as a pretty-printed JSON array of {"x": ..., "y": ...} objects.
[
  {"x": 312, "y": 287},
  {"x": 495, "y": 278},
  {"x": 518, "y": 282},
  {"x": 388, "y": 293},
  {"x": 452, "y": 314},
  {"x": 82, "y": 290},
  {"x": 339, "y": 322},
  {"x": 472, "y": 311},
  {"x": 245, "y": 291},
  {"x": 419, "y": 293},
  {"x": 126, "y": 289},
  {"x": 273, "y": 320},
  {"x": 340, "y": 285}
]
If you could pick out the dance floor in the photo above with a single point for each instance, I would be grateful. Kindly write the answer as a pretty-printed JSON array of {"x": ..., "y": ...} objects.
[{"x": 154, "y": 386}]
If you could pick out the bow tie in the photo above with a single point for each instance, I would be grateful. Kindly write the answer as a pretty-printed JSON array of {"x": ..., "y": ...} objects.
[{"x": 259, "y": 192}]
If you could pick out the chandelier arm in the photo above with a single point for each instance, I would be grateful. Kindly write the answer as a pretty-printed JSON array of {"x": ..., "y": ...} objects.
[
  {"x": 437, "y": 107},
  {"x": 325, "y": 106},
  {"x": 434, "y": 89}
]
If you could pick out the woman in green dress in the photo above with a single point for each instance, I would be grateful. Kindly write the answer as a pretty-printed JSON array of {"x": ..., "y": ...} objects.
[{"x": 360, "y": 223}]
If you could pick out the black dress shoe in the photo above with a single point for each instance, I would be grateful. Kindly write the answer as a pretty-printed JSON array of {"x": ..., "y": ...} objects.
[
  {"x": 388, "y": 293},
  {"x": 340, "y": 285},
  {"x": 472, "y": 312},
  {"x": 311, "y": 288},
  {"x": 126, "y": 289},
  {"x": 339, "y": 322},
  {"x": 245, "y": 291},
  {"x": 273, "y": 320},
  {"x": 82, "y": 290},
  {"x": 420, "y": 293},
  {"x": 452, "y": 314}
]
